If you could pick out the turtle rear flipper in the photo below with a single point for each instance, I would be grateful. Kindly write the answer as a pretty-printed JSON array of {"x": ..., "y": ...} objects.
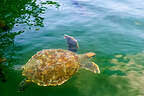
[
  {"x": 72, "y": 43},
  {"x": 23, "y": 85}
]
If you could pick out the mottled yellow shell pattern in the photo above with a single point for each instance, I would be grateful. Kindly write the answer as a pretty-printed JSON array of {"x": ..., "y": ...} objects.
[{"x": 51, "y": 67}]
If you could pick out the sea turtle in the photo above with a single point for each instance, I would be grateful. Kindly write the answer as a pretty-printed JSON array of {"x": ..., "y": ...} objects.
[{"x": 51, "y": 67}]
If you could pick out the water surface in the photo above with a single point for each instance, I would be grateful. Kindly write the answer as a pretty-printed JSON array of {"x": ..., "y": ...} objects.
[{"x": 111, "y": 29}]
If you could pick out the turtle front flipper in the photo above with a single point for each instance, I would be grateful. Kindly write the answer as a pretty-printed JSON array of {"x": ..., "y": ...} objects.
[
  {"x": 85, "y": 62},
  {"x": 94, "y": 68},
  {"x": 72, "y": 43},
  {"x": 91, "y": 66},
  {"x": 23, "y": 85}
]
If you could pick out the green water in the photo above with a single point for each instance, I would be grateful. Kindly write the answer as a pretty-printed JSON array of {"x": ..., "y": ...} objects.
[{"x": 111, "y": 29}]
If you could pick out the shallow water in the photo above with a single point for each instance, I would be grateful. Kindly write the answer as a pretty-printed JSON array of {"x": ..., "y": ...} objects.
[{"x": 111, "y": 29}]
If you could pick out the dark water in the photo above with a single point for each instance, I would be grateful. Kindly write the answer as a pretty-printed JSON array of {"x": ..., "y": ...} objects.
[{"x": 112, "y": 29}]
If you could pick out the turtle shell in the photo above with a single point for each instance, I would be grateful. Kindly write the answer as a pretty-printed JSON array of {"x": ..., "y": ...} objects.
[{"x": 51, "y": 67}]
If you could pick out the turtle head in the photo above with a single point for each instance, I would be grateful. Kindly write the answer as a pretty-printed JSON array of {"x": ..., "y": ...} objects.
[
  {"x": 90, "y": 54},
  {"x": 86, "y": 63}
]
